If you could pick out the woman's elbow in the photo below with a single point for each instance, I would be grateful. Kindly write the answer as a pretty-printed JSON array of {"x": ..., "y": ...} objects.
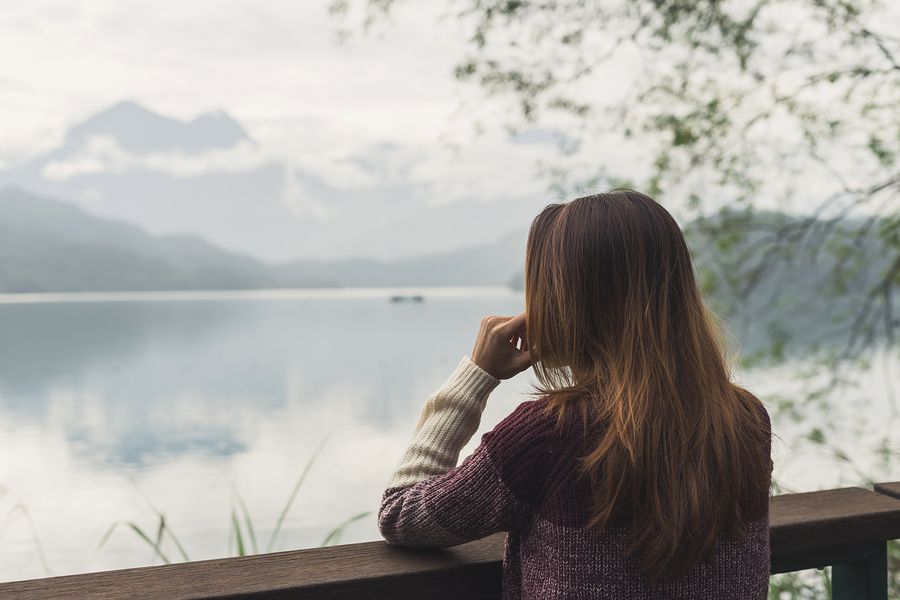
[
  {"x": 407, "y": 524},
  {"x": 389, "y": 524},
  {"x": 390, "y": 533},
  {"x": 406, "y": 533}
]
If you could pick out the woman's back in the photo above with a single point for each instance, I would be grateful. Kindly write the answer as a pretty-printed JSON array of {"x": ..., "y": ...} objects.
[
  {"x": 524, "y": 478},
  {"x": 642, "y": 471},
  {"x": 555, "y": 554}
]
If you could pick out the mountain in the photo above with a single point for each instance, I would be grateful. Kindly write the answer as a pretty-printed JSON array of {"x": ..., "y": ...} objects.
[
  {"x": 52, "y": 246},
  {"x": 803, "y": 299},
  {"x": 782, "y": 296},
  {"x": 207, "y": 177},
  {"x": 46, "y": 245},
  {"x": 138, "y": 130},
  {"x": 485, "y": 264}
]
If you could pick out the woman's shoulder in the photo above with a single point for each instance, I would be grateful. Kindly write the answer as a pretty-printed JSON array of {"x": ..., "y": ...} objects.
[
  {"x": 530, "y": 424},
  {"x": 538, "y": 422},
  {"x": 530, "y": 449}
]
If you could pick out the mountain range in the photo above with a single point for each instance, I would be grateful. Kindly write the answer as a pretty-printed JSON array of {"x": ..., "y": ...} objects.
[
  {"x": 133, "y": 200},
  {"x": 52, "y": 246},
  {"x": 208, "y": 177}
]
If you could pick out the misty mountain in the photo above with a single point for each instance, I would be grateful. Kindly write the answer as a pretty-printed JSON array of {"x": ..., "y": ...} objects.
[
  {"x": 482, "y": 265},
  {"x": 139, "y": 130},
  {"x": 788, "y": 301},
  {"x": 207, "y": 177},
  {"x": 805, "y": 295},
  {"x": 46, "y": 245},
  {"x": 52, "y": 246}
]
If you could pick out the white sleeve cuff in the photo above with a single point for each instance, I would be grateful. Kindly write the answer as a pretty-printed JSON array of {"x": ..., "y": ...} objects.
[{"x": 469, "y": 380}]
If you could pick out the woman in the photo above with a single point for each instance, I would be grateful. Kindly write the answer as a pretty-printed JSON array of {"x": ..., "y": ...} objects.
[{"x": 640, "y": 471}]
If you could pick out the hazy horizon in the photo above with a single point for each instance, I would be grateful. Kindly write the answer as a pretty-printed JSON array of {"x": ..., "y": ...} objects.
[{"x": 354, "y": 148}]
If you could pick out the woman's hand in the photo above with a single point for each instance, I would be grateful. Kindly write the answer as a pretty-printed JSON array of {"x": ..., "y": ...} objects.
[{"x": 496, "y": 348}]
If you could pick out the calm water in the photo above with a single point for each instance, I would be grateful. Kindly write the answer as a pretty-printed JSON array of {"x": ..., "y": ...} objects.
[{"x": 109, "y": 403}]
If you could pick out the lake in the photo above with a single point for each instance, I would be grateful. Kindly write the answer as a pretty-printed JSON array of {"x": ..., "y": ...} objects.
[{"x": 114, "y": 406}]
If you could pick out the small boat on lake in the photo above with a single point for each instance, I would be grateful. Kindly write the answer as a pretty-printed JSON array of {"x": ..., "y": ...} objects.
[{"x": 407, "y": 298}]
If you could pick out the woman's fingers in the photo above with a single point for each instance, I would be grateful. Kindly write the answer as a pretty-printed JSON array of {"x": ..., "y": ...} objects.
[
  {"x": 524, "y": 360},
  {"x": 514, "y": 329},
  {"x": 514, "y": 325},
  {"x": 501, "y": 348}
]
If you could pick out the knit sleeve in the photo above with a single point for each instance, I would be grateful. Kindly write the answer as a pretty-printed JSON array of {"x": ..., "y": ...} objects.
[{"x": 429, "y": 500}]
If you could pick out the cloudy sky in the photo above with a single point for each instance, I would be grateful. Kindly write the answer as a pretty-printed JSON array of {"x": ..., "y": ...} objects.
[
  {"x": 327, "y": 108},
  {"x": 375, "y": 138},
  {"x": 267, "y": 63}
]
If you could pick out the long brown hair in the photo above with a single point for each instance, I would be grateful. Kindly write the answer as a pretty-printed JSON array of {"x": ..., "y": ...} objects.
[{"x": 620, "y": 335}]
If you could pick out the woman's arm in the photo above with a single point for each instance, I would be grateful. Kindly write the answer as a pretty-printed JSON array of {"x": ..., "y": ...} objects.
[
  {"x": 431, "y": 502},
  {"x": 449, "y": 419}
]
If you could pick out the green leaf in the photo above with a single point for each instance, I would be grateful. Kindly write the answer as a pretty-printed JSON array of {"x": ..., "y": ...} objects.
[
  {"x": 139, "y": 532},
  {"x": 248, "y": 523},
  {"x": 163, "y": 523},
  {"x": 238, "y": 537},
  {"x": 816, "y": 436}
]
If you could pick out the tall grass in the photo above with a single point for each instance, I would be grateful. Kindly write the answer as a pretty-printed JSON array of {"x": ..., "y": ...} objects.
[
  {"x": 242, "y": 538},
  {"x": 19, "y": 510}
]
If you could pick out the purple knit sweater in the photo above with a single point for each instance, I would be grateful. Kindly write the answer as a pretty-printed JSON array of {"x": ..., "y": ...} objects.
[{"x": 523, "y": 479}]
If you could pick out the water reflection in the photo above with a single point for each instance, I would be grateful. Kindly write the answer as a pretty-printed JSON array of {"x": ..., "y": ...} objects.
[
  {"x": 192, "y": 398},
  {"x": 106, "y": 405}
]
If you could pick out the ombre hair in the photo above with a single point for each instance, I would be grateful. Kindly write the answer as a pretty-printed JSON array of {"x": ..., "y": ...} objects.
[{"x": 620, "y": 336}]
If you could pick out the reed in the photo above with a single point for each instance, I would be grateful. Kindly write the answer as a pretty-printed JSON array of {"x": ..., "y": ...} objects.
[
  {"x": 19, "y": 510},
  {"x": 242, "y": 538}
]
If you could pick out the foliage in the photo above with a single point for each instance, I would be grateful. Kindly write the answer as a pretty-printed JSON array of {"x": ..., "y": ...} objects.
[
  {"x": 815, "y": 584},
  {"x": 724, "y": 109},
  {"x": 725, "y": 105},
  {"x": 801, "y": 585}
]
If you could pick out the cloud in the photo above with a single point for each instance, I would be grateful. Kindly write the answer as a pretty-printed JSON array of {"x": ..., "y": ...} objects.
[
  {"x": 356, "y": 116},
  {"x": 300, "y": 200},
  {"x": 102, "y": 154},
  {"x": 364, "y": 144},
  {"x": 267, "y": 63}
]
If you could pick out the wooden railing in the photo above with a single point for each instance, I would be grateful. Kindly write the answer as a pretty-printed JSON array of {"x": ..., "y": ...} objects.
[{"x": 847, "y": 528}]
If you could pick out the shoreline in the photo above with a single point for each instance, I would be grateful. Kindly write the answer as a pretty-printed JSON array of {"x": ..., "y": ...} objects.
[{"x": 252, "y": 294}]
